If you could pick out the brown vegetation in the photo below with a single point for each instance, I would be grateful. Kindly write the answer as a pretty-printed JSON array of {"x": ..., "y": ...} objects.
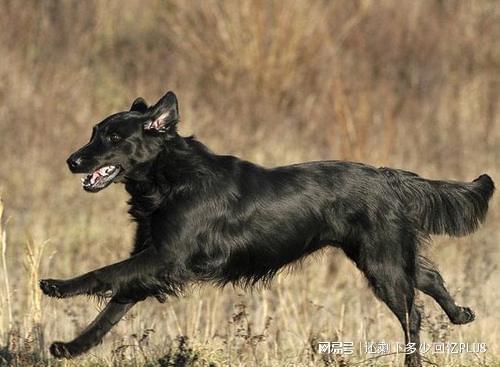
[{"x": 411, "y": 84}]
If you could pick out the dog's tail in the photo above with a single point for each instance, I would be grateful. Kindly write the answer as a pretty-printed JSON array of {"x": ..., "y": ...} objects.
[{"x": 443, "y": 207}]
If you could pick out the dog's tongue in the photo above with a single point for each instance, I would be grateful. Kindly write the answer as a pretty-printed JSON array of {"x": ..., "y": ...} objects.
[{"x": 94, "y": 177}]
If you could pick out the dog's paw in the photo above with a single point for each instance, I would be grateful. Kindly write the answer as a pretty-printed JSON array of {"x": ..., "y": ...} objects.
[
  {"x": 61, "y": 350},
  {"x": 52, "y": 288},
  {"x": 161, "y": 297},
  {"x": 465, "y": 316},
  {"x": 72, "y": 349}
]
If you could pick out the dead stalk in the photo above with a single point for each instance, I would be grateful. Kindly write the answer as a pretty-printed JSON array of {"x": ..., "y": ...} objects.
[
  {"x": 4, "y": 268},
  {"x": 32, "y": 265}
]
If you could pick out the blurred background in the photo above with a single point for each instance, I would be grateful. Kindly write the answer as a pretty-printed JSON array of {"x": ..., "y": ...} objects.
[{"x": 408, "y": 84}]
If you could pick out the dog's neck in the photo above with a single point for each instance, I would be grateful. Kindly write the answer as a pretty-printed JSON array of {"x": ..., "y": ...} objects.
[
  {"x": 182, "y": 165},
  {"x": 180, "y": 160}
]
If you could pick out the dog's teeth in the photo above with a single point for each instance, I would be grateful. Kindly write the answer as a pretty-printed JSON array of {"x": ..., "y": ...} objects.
[{"x": 106, "y": 170}]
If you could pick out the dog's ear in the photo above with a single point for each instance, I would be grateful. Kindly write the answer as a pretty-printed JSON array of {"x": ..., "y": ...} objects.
[
  {"x": 139, "y": 105},
  {"x": 164, "y": 114}
]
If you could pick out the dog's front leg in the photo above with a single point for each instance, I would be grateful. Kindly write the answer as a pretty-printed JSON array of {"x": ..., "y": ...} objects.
[
  {"x": 140, "y": 269},
  {"x": 94, "y": 333}
]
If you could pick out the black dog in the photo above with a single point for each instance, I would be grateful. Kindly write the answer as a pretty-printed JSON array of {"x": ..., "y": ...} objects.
[{"x": 207, "y": 217}]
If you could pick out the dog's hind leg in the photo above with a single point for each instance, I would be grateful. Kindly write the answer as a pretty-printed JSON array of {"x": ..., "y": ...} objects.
[
  {"x": 395, "y": 288},
  {"x": 431, "y": 283},
  {"x": 93, "y": 334},
  {"x": 141, "y": 269},
  {"x": 387, "y": 260}
]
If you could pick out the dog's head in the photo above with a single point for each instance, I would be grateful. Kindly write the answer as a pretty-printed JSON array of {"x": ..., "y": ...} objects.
[{"x": 125, "y": 141}]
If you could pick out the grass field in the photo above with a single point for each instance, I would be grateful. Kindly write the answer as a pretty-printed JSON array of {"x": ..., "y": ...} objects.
[{"x": 409, "y": 84}]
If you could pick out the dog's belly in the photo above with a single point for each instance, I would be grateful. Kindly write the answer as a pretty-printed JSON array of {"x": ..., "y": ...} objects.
[{"x": 251, "y": 251}]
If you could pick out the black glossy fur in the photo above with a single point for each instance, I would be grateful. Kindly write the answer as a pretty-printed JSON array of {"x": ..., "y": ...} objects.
[{"x": 207, "y": 217}]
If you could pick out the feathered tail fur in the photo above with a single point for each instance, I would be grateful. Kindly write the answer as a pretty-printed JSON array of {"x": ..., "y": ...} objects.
[{"x": 443, "y": 207}]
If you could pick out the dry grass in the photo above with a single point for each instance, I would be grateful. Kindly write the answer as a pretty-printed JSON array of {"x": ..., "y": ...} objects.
[{"x": 412, "y": 84}]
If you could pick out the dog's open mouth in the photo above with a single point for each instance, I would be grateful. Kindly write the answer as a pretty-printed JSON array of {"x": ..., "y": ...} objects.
[{"x": 100, "y": 178}]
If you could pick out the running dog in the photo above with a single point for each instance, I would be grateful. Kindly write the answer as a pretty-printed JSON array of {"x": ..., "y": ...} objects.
[{"x": 207, "y": 217}]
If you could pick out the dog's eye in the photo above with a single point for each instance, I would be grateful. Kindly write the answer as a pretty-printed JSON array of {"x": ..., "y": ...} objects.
[{"x": 114, "y": 138}]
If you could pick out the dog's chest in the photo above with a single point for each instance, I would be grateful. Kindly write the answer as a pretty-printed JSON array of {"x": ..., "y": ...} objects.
[{"x": 145, "y": 199}]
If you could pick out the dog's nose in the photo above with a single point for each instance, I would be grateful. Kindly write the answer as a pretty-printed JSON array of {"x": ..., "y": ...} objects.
[{"x": 74, "y": 162}]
